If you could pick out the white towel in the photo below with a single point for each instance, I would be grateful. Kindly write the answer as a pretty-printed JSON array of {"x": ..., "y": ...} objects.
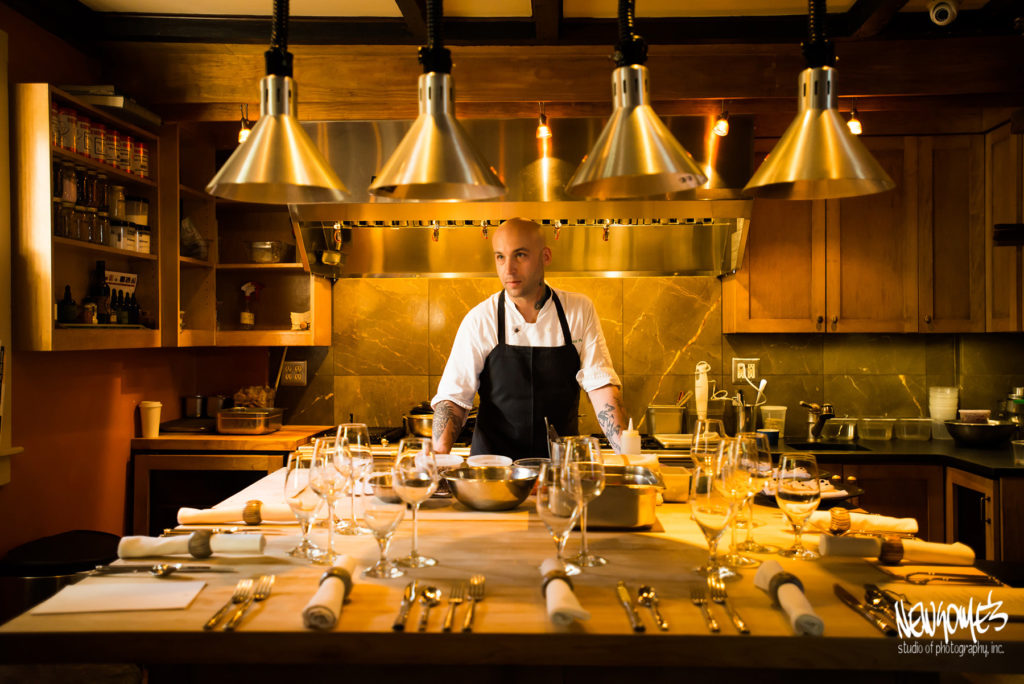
[
  {"x": 864, "y": 522},
  {"x": 563, "y": 606},
  {"x": 802, "y": 618},
  {"x": 917, "y": 552},
  {"x": 861, "y": 547},
  {"x": 269, "y": 512},
  {"x": 324, "y": 609},
  {"x": 143, "y": 547}
]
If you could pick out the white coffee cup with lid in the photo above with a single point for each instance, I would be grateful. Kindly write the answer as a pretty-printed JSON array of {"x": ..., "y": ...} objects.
[{"x": 149, "y": 411}]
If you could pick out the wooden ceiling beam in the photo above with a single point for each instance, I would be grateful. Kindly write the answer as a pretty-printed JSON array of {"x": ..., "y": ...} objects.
[
  {"x": 867, "y": 18},
  {"x": 547, "y": 15},
  {"x": 415, "y": 14}
]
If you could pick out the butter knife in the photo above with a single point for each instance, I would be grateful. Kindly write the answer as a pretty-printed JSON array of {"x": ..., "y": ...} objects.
[
  {"x": 881, "y": 622},
  {"x": 403, "y": 610},
  {"x": 158, "y": 569},
  {"x": 626, "y": 599}
]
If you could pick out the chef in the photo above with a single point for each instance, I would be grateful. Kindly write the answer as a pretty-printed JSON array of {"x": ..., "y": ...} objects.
[{"x": 527, "y": 350}]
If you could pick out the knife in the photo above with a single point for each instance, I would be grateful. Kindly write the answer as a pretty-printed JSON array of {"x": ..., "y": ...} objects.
[
  {"x": 149, "y": 569},
  {"x": 882, "y": 623},
  {"x": 627, "y": 603},
  {"x": 403, "y": 611}
]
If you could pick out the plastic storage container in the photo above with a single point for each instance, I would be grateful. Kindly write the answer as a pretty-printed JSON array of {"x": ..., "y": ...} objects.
[
  {"x": 840, "y": 429},
  {"x": 876, "y": 428},
  {"x": 265, "y": 252},
  {"x": 914, "y": 429}
]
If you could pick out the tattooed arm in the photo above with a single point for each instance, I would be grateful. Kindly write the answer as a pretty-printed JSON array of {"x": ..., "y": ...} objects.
[
  {"x": 611, "y": 414},
  {"x": 449, "y": 418}
]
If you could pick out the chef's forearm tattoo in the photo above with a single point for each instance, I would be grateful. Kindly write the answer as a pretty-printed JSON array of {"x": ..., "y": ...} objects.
[
  {"x": 448, "y": 420},
  {"x": 610, "y": 419}
]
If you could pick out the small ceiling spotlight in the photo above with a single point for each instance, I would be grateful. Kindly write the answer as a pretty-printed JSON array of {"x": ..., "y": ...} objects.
[
  {"x": 854, "y": 123},
  {"x": 543, "y": 130},
  {"x": 721, "y": 128},
  {"x": 246, "y": 127}
]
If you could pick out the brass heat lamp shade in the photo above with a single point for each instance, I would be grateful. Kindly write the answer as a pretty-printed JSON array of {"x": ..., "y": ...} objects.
[
  {"x": 635, "y": 155},
  {"x": 278, "y": 164},
  {"x": 818, "y": 157},
  {"x": 436, "y": 160}
]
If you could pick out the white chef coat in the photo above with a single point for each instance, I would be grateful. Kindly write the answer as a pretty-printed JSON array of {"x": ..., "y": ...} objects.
[{"x": 478, "y": 336}]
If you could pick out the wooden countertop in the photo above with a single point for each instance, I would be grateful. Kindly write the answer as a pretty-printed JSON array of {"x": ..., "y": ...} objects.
[
  {"x": 289, "y": 437},
  {"x": 512, "y": 628}
]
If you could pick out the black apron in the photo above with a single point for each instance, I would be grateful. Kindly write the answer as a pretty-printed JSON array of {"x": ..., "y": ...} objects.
[{"x": 519, "y": 387}]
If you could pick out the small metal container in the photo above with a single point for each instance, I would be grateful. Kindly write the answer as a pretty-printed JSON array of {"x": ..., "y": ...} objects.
[
  {"x": 628, "y": 500},
  {"x": 665, "y": 419},
  {"x": 420, "y": 425},
  {"x": 192, "y": 406},
  {"x": 249, "y": 421},
  {"x": 491, "y": 488}
]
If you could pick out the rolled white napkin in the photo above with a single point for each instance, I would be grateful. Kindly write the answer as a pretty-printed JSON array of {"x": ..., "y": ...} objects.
[
  {"x": 862, "y": 547},
  {"x": 865, "y": 522},
  {"x": 917, "y": 552},
  {"x": 324, "y": 609},
  {"x": 269, "y": 512},
  {"x": 563, "y": 606},
  {"x": 142, "y": 547},
  {"x": 787, "y": 591}
]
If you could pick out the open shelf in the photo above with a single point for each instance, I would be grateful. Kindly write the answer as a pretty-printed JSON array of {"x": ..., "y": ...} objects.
[
  {"x": 66, "y": 339},
  {"x": 107, "y": 118},
  {"x": 264, "y": 338},
  {"x": 101, "y": 249},
  {"x": 101, "y": 167},
  {"x": 196, "y": 338},
  {"x": 196, "y": 263},
  {"x": 283, "y": 266}
]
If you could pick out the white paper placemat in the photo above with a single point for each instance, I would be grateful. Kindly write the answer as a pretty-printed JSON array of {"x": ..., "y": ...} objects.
[{"x": 101, "y": 595}]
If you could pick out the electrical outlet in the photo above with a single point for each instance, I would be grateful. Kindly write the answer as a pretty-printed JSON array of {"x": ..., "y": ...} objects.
[
  {"x": 294, "y": 374},
  {"x": 745, "y": 368}
]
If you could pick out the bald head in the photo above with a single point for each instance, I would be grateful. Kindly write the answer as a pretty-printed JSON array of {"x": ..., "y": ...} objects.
[{"x": 520, "y": 255}]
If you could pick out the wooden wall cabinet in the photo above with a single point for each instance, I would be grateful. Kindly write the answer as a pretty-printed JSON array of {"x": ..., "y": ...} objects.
[
  {"x": 903, "y": 491},
  {"x": 1004, "y": 203},
  {"x": 44, "y": 262},
  {"x": 204, "y": 297},
  {"x": 972, "y": 512}
]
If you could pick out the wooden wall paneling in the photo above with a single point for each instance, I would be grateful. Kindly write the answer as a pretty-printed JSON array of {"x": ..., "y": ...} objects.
[
  {"x": 1004, "y": 183},
  {"x": 871, "y": 247},
  {"x": 951, "y": 233},
  {"x": 1011, "y": 493},
  {"x": 169, "y": 216}
]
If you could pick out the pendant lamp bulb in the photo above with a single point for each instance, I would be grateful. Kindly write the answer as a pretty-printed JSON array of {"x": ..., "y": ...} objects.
[
  {"x": 543, "y": 129},
  {"x": 853, "y": 123},
  {"x": 721, "y": 127},
  {"x": 246, "y": 126}
]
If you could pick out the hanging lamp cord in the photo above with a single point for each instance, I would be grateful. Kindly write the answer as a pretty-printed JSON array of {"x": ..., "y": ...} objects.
[
  {"x": 278, "y": 59},
  {"x": 818, "y": 50},
  {"x": 631, "y": 48},
  {"x": 434, "y": 56}
]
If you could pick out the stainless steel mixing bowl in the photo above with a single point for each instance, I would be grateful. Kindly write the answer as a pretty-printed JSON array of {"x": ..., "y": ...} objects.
[
  {"x": 493, "y": 488},
  {"x": 994, "y": 433}
]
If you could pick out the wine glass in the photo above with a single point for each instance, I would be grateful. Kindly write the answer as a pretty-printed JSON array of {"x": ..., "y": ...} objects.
[
  {"x": 759, "y": 475},
  {"x": 328, "y": 478},
  {"x": 712, "y": 505},
  {"x": 353, "y": 439},
  {"x": 585, "y": 453},
  {"x": 303, "y": 501},
  {"x": 742, "y": 489},
  {"x": 415, "y": 480},
  {"x": 798, "y": 494},
  {"x": 707, "y": 434},
  {"x": 382, "y": 514},
  {"x": 558, "y": 504}
]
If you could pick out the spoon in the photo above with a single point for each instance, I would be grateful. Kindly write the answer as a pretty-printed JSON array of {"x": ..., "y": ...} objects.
[
  {"x": 429, "y": 597},
  {"x": 647, "y": 597}
]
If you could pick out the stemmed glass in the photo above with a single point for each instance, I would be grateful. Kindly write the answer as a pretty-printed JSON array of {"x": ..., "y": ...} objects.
[
  {"x": 712, "y": 505},
  {"x": 415, "y": 480},
  {"x": 303, "y": 501},
  {"x": 353, "y": 439},
  {"x": 585, "y": 453},
  {"x": 328, "y": 477},
  {"x": 743, "y": 486},
  {"x": 707, "y": 436},
  {"x": 798, "y": 494},
  {"x": 382, "y": 515},
  {"x": 760, "y": 470},
  {"x": 558, "y": 504}
]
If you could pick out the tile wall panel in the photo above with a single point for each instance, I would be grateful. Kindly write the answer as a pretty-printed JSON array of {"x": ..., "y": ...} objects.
[{"x": 380, "y": 326}]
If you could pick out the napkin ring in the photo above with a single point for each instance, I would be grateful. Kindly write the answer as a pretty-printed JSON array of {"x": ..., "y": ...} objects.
[
  {"x": 251, "y": 512},
  {"x": 892, "y": 551},
  {"x": 340, "y": 573},
  {"x": 199, "y": 544},
  {"x": 780, "y": 578},
  {"x": 550, "y": 577}
]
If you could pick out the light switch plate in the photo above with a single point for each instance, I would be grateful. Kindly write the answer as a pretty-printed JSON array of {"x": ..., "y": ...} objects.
[
  {"x": 745, "y": 368},
  {"x": 294, "y": 374}
]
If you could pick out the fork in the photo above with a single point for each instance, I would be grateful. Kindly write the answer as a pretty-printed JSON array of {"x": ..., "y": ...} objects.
[
  {"x": 698, "y": 596},
  {"x": 476, "y": 593},
  {"x": 261, "y": 592},
  {"x": 456, "y": 595},
  {"x": 242, "y": 592},
  {"x": 719, "y": 596}
]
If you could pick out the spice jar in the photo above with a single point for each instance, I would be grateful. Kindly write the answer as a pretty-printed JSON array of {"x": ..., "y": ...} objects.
[
  {"x": 102, "y": 228},
  {"x": 79, "y": 223},
  {"x": 142, "y": 239},
  {"x": 83, "y": 136},
  {"x": 124, "y": 153},
  {"x": 68, "y": 124},
  {"x": 69, "y": 183},
  {"x": 99, "y": 138},
  {"x": 115, "y": 202},
  {"x": 54, "y": 125},
  {"x": 64, "y": 219},
  {"x": 115, "y": 237},
  {"x": 90, "y": 231},
  {"x": 110, "y": 144}
]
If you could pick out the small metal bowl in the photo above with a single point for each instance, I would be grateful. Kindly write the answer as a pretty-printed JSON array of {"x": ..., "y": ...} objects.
[
  {"x": 420, "y": 425},
  {"x": 994, "y": 433},
  {"x": 494, "y": 488}
]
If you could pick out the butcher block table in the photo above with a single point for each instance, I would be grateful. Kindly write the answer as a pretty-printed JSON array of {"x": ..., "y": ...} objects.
[{"x": 513, "y": 636}]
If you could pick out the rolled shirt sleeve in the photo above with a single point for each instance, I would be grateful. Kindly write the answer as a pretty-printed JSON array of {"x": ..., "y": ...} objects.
[
  {"x": 473, "y": 342},
  {"x": 596, "y": 369}
]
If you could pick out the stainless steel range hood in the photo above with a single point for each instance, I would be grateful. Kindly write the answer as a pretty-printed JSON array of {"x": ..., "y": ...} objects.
[{"x": 697, "y": 232}]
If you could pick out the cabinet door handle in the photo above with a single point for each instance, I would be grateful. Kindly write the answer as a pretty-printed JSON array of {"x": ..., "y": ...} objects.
[
  {"x": 821, "y": 319},
  {"x": 928, "y": 319},
  {"x": 835, "y": 320}
]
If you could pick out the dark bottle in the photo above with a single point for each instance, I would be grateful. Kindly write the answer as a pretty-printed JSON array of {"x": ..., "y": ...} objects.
[
  {"x": 67, "y": 310},
  {"x": 134, "y": 312},
  {"x": 123, "y": 310}
]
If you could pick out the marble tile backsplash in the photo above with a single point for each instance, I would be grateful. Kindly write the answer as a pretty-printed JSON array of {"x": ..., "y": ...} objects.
[{"x": 392, "y": 337}]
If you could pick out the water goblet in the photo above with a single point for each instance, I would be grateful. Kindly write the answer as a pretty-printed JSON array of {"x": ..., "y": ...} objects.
[
  {"x": 585, "y": 453},
  {"x": 741, "y": 487},
  {"x": 712, "y": 506},
  {"x": 353, "y": 439},
  {"x": 759, "y": 475},
  {"x": 558, "y": 505},
  {"x": 328, "y": 478},
  {"x": 303, "y": 501},
  {"x": 415, "y": 480},
  {"x": 707, "y": 434},
  {"x": 382, "y": 515},
  {"x": 798, "y": 494}
]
